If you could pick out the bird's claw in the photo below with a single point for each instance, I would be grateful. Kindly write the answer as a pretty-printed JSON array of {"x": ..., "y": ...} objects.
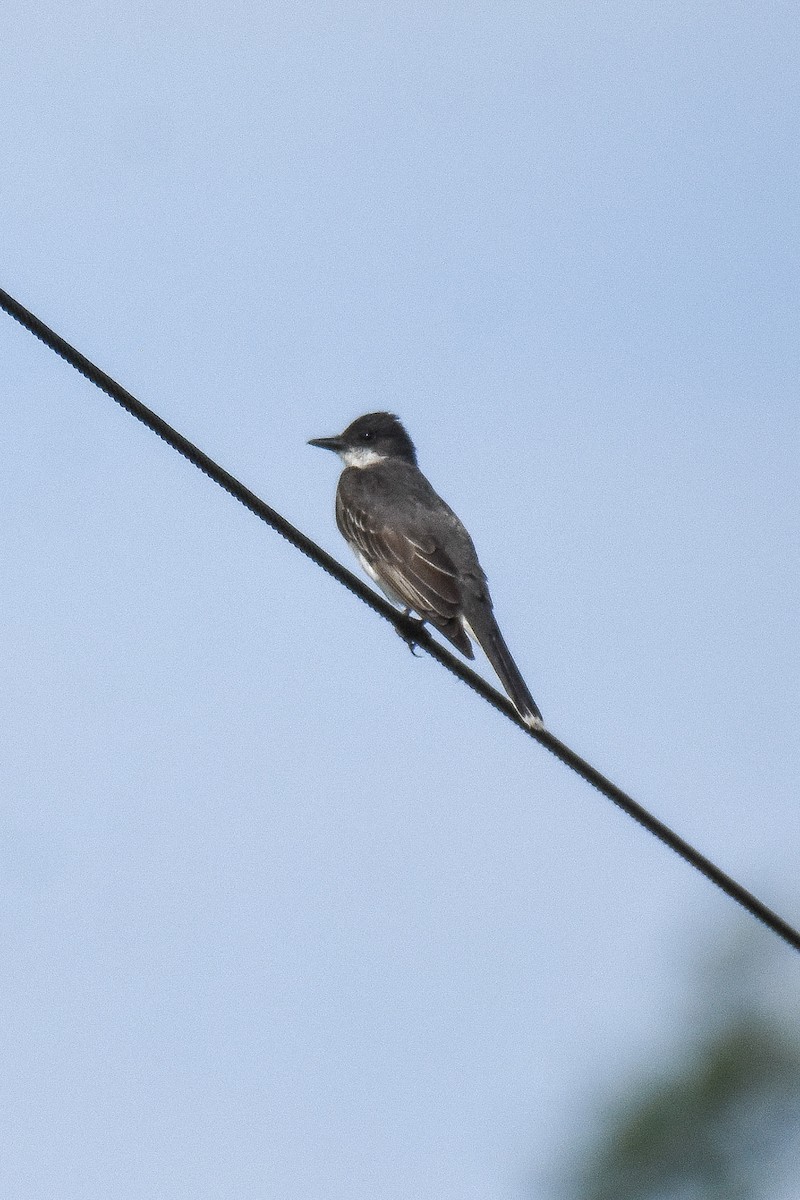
[{"x": 413, "y": 625}]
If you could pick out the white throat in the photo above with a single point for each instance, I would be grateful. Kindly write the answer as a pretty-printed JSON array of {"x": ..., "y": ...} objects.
[{"x": 360, "y": 457}]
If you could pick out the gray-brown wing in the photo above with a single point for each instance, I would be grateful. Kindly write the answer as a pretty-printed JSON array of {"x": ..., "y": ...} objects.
[{"x": 410, "y": 564}]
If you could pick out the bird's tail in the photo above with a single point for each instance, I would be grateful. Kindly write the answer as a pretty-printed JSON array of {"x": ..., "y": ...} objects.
[{"x": 487, "y": 633}]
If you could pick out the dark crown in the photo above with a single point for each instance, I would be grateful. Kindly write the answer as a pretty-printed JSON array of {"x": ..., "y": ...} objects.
[{"x": 382, "y": 432}]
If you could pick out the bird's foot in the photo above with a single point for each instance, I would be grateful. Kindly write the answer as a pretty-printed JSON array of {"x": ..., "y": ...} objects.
[{"x": 413, "y": 626}]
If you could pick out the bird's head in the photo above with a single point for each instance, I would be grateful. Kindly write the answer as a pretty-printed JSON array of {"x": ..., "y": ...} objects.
[{"x": 370, "y": 439}]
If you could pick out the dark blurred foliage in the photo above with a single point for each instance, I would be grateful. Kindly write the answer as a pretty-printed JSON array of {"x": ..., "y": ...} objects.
[{"x": 718, "y": 1119}]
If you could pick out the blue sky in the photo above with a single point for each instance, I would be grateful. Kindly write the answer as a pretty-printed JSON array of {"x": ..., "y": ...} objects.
[{"x": 285, "y": 911}]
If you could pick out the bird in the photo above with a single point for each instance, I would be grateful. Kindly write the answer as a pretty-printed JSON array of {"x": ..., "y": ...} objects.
[{"x": 415, "y": 548}]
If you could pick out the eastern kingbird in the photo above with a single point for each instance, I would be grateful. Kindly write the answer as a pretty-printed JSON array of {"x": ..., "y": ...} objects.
[{"x": 413, "y": 545}]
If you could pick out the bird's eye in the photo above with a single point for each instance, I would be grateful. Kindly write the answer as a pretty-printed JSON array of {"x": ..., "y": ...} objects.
[{"x": 367, "y": 435}]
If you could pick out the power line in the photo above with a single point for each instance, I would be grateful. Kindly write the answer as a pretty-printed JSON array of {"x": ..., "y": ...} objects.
[{"x": 410, "y": 630}]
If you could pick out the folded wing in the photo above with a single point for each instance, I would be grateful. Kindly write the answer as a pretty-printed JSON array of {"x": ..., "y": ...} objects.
[{"x": 410, "y": 565}]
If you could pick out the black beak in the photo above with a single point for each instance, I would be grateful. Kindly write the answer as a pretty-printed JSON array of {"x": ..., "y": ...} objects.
[{"x": 331, "y": 443}]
